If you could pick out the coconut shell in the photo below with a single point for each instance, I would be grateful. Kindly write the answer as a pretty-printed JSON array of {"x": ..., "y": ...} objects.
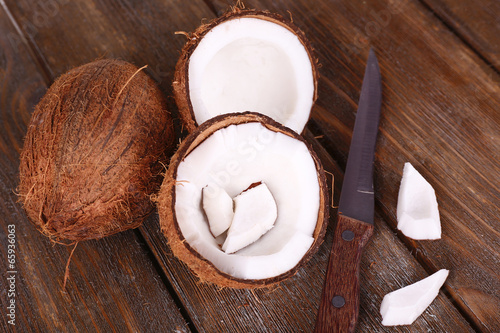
[
  {"x": 181, "y": 76},
  {"x": 203, "y": 268},
  {"x": 93, "y": 153}
]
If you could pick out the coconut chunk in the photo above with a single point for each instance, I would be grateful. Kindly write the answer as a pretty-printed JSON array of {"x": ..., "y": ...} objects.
[
  {"x": 403, "y": 306},
  {"x": 417, "y": 208},
  {"x": 254, "y": 214},
  {"x": 218, "y": 207}
]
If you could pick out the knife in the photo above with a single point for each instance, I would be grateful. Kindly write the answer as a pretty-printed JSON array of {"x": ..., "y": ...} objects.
[{"x": 338, "y": 310}]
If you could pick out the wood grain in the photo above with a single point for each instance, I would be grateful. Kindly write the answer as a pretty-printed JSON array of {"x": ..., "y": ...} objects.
[
  {"x": 113, "y": 284},
  {"x": 477, "y": 22},
  {"x": 292, "y": 307},
  {"x": 386, "y": 265},
  {"x": 440, "y": 113}
]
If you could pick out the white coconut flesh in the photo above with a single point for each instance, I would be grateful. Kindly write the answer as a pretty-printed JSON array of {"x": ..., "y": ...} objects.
[
  {"x": 233, "y": 158},
  {"x": 255, "y": 212},
  {"x": 250, "y": 64},
  {"x": 403, "y": 306},
  {"x": 417, "y": 208},
  {"x": 218, "y": 206}
]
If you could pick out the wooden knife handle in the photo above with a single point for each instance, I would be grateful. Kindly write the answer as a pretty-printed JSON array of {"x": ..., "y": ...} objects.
[{"x": 338, "y": 310}]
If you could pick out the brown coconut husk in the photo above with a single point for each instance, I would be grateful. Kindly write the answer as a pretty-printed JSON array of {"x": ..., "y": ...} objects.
[
  {"x": 181, "y": 76},
  {"x": 203, "y": 268},
  {"x": 93, "y": 153}
]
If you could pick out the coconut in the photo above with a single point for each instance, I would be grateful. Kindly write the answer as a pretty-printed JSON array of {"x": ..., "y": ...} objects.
[
  {"x": 403, "y": 306},
  {"x": 255, "y": 213},
  {"x": 417, "y": 207},
  {"x": 279, "y": 194},
  {"x": 246, "y": 60},
  {"x": 218, "y": 206},
  {"x": 93, "y": 152}
]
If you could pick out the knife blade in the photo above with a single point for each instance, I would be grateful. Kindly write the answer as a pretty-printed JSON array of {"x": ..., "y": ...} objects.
[{"x": 338, "y": 311}]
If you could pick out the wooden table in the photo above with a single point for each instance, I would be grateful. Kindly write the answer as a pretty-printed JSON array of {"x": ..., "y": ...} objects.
[{"x": 440, "y": 63}]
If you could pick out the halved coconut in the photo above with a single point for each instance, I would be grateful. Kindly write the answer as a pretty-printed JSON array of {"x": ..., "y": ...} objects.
[
  {"x": 246, "y": 60},
  {"x": 235, "y": 152}
]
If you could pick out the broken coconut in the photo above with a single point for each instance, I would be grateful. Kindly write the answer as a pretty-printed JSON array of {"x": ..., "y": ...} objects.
[
  {"x": 94, "y": 151},
  {"x": 403, "y": 306},
  {"x": 233, "y": 152},
  {"x": 417, "y": 208},
  {"x": 218, "y": 206},
  {"x": 246, "y": 60},
  {"x": 255, "y": 212}
]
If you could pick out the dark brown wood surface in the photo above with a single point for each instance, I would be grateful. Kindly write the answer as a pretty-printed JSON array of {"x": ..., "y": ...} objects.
[
  {"x": 113, "y": 284},
  {"x": 441, "y": 112},
  {"x": 477, "y": 23}
]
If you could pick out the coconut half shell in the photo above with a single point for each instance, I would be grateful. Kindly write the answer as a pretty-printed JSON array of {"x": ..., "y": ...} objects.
[
  {"x": 172, "y": 212},
  {"x": 246, "y": 60},
  {"x": 94, "y": 152}
]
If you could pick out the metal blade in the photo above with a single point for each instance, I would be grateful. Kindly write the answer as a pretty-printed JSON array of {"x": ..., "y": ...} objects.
[{"x": 357, "y": 198}]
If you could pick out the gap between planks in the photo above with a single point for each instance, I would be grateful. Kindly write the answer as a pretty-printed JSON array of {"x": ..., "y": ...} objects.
[
  {"x": 154, "y": 257},
  {"x": 460, "y": 36},
  {"x": 48, "y": 77},
  {"x": 383, "y": 211},
  {"x": 35, "y": 53}
]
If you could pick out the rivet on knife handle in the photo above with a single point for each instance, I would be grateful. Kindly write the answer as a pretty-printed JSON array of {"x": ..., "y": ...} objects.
[{"x": 342, "y": 277}]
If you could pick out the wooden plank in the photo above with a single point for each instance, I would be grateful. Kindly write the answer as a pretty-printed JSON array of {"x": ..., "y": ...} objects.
[
  {"x": 113, "y": 284},
  {"x": 440, "y": 113},
  {"x": 387, "y": 265},
  {"x": 477, "y": 22},
  {"x": 141, "y": 33},
  {"x": 293, "y": 305}
]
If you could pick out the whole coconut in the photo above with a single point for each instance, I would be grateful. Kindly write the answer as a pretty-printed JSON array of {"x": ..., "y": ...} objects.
[{"x": 94, "y": 152}]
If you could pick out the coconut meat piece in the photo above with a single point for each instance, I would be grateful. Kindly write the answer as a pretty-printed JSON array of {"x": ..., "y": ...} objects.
[
  {"x": 403, "y": 306},
  {"x": 250, "y": 64},
  {"x": 232, "y": 158},
  {"x": 218, "y": 207},
  {"x": 417, "y": 207},
  {"x": 255, "y": 212}
]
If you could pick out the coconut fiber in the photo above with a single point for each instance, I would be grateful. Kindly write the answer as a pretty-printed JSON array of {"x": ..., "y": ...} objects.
[{"x": 94, "y": 151}]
